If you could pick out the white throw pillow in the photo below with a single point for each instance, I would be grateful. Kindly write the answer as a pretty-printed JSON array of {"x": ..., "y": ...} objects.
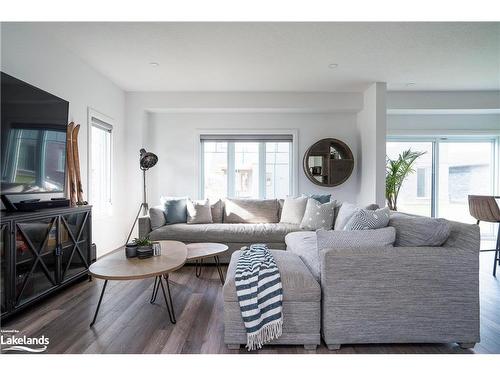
[
  {"x": 317, "y": 215},
  {"x": 346, "y": 211},
  {"x": 199, "y": 212},
  {"x": 293, "y": 210}
]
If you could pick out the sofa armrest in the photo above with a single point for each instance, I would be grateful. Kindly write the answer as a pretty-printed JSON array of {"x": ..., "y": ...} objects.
[
  {"x": 430, "y": 293},
  {"x": 144, "y": 226}
]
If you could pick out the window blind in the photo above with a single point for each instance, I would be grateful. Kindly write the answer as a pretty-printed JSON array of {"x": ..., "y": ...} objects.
[
  {"x": 101, "y": 124},
  {"x": 246, "y": 137}
]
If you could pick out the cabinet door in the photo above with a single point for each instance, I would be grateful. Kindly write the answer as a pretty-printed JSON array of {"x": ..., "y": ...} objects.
[
  {"x": 75, "y": 244},
  {"x": 35, "y": 258},
  {"x": 4, "y": 271}
]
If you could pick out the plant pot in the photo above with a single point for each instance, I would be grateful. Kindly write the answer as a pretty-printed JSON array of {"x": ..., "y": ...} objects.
[
  {"x": 131, "y": 250},
  {"x": 144, "y": 251}
]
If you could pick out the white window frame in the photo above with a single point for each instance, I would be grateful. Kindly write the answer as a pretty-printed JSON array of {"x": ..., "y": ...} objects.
[
  {"x": 294, "y": 159},
  {"x": 462, "y": 137},
  {"x": 92, "y": 113}
]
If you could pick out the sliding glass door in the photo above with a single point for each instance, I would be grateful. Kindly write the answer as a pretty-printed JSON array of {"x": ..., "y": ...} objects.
[
  {"x": 464, "y": 168},
  {"x": 449, "y": 171},
  {"x": 415, "y": 195}
]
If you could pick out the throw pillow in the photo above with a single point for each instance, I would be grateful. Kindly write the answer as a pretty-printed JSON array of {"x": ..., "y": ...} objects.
[
  {"x": 321, "y": 198},
  {"x": 345, "y": 213},
  {"x": 250, "y": 211},
  {"x": 317, "y": 215},
  {"x": 368, "y": 219},
  {"x": 419, "y": 230},
  {"x": 199, "y": 212},
  {"x": 336, "y": 239},
  {"x": 175, "y": 210},
  {"x": 293, "y": 210},
  {"x": 217, "y": 211},
  {"x": 157, "y": 217}
]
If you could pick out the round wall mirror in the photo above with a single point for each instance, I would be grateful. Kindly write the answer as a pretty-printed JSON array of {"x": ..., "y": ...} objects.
[{"x": 328, "y": 162}]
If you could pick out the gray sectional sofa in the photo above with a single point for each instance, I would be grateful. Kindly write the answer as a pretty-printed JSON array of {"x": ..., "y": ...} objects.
[
  {"x": 400, "y": 294},
  {"x": 424, "y": 289}
]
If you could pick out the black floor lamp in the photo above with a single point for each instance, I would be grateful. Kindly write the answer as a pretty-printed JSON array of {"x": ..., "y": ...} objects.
[{"x": 146, "y": 160}]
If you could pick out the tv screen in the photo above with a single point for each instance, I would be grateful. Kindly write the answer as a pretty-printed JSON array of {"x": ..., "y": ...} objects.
[{"x": 33, "y": 145}]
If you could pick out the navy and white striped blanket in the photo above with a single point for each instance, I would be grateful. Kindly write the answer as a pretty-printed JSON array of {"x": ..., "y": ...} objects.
[{"x": 260, "y": 295}]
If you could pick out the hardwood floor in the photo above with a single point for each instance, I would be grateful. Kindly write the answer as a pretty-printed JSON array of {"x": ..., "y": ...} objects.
[{"x": 128, "y": 323}]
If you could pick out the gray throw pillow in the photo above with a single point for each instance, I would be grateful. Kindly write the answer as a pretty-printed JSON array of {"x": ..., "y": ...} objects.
[
  {"x": 336, "y": 239},
  {"x": 368, "y": 219},
  {"x": 175, "y": 210},
  {"x": 217, "y": 211},
  {"x": 250, "y": 211},
  {"x": 346, "y": 211},
  {"x": 321, "y": 198},
  {"x": 199, "y": 212},
  {"x": 293, "y": 210},
  {"x": 157, "y": 217},
  {"x": 419, "y": 231},
  {"x": 317, "y": 215}
]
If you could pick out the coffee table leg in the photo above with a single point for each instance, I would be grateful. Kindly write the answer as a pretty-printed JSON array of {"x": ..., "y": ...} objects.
[
  {"x": 99, "y": 303},
  {"x": 197, "y": 268},
  {"x": 221, "y": 274},
  {"x": 170, "y": 309},
  {"x": 156, "y": 286}
]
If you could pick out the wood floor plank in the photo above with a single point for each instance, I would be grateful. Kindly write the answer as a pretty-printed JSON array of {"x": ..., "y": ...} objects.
[{"x": 128, "y": 323}]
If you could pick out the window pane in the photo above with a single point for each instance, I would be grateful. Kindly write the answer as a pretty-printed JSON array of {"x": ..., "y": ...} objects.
[
  {"x": 215, "y": 170},
  {"x": 246, "y": 164},
  {"x": 464, "y": 168},
  {"x": 101, "y": 169},
  {"x": 416, "y": 192},
  {"x": 277, "y": 169}
]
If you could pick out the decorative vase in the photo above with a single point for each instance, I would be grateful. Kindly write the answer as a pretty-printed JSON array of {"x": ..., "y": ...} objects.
[{"x": 145, "y": 251}]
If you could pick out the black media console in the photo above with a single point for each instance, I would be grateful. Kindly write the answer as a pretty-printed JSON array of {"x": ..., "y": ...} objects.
[{"x": 41, "y": 252}]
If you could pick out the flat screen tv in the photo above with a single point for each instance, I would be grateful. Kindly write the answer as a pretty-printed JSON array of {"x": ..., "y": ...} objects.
[{"x": 33, "y": 144}]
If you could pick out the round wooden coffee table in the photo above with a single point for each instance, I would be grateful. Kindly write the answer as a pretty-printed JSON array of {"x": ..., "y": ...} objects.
[
  {"x": 116, "y": 266},
  {"x": 202, "y": 250}
]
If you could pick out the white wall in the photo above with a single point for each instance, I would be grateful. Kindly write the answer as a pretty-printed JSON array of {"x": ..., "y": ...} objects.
[
  {"x": 167, "y": 124},
  {"x": 174, "y": 138},
  {"x": 371, "y": 121},
  {"x": 43, "y": 63}
]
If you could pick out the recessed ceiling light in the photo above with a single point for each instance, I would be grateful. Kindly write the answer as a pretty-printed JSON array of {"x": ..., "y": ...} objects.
[
  {"x": 333, "y": 65},
  {"x": 410, "y": 84},
  {"x": 154, "y": 64}
]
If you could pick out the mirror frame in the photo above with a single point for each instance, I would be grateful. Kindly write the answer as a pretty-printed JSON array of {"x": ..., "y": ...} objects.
[{"x": 347, "y": 155}]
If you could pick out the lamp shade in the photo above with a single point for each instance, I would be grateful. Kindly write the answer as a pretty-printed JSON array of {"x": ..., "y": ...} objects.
[{"x": 147, "y": 159}]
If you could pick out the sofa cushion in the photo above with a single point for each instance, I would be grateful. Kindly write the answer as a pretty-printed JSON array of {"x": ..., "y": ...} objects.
[
  {"x": 317, "y": 215},
  {"x": 293, "y": 210},
  {"x": 368, "y": 219},
  {"x": 217, "y": 211},
  {"x": 346, "y": 211},
  {"x": 419, "y": 230},
  {"x": 175, "y": 210},
  {"x": 304, "y": 245},
  {"x": 297, "y": 282},
  {"x": 335, "y": 239},
  {"x": 199, "y": 212},
  {"x": 251, "y": 211},
  {"x": 247, "y": 233},
  {"x": 157, "y": 216}
]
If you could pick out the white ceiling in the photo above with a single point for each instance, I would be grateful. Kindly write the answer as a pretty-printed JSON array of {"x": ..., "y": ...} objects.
[{"x": 287, "y": 56}]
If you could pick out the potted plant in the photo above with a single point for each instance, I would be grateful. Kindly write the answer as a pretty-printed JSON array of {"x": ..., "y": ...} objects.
[
  {"x": 144, "y": 247},
  {"x": 397, "y": 171}
]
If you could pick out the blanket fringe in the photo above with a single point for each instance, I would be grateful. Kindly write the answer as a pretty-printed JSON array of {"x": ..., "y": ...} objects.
[{"x": 270, "y": 331}]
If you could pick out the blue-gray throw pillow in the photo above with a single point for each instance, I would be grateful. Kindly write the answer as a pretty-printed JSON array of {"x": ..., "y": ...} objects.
[
  {"x": 321, "y": 198},
  {"x": 368, "y": 219},
  {"x": 176, "y": 210}
]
